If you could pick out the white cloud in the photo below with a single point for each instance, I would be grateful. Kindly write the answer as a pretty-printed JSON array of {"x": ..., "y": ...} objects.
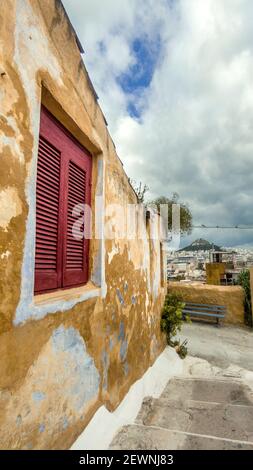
[{"x": 195, "y": 135}]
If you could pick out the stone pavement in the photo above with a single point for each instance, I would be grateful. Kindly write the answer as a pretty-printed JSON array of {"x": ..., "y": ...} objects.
[
  {"x": 210, "y": 406},
  {"x": 223, "y": 346}
]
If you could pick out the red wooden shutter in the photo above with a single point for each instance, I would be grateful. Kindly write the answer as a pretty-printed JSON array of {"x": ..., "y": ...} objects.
[
  {"x": 47, "y": 216},
  {"x": 75, "y": 260}
]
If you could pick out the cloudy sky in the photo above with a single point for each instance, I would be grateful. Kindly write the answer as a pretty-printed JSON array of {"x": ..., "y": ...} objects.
[{"x": 175, "y": 81}]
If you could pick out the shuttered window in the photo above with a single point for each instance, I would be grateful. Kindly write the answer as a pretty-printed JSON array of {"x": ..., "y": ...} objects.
[
  {"x": 47, "y": 216},
  {"x": 62, "y": 191}
]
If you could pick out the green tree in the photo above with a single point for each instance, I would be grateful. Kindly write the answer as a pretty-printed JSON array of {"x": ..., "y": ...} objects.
[
  {"x": 185, "y": 213},
  {"x": 244, "y": 281},
  {"x": 171, "y": 322}
]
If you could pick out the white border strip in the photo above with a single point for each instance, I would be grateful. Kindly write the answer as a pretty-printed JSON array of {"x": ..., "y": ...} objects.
[{"x": 104, "y": 425}]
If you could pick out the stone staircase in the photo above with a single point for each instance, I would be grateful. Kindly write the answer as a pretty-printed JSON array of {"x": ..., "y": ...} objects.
[{"x": 193, "y": 414}]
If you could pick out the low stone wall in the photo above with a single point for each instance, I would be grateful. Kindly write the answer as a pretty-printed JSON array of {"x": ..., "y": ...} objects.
[{"x": 230, "y": 296}]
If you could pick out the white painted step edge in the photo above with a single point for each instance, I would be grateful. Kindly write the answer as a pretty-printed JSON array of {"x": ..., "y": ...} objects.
[
  {"x": 104, "y": 425},
  {"x": 186, "y": 433},
  {"x": 210, "y": 378},
  {"x": 166, "y": 402}
]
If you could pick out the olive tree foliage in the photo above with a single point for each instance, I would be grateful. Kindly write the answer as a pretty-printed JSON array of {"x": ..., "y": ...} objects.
[{"x": 185, "y": 212}]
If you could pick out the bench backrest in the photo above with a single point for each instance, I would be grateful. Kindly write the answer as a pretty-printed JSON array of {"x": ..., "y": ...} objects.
[
  {"x": 205, "y": 307},
  {"x": 208, "y": 310}
]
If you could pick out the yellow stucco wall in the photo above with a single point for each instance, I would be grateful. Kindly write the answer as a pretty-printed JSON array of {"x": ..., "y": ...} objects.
[
  {"x": 62, "y": 358},
  {"x": 230, "y": 296},
  {"x": 214, "y": 271}
]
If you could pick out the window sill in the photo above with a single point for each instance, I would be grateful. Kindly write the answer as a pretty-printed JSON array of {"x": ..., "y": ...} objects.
[{"x": 76, "y": 293}]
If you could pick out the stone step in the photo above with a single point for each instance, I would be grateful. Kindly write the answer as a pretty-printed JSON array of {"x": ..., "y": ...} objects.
[
  {"x": 198, "y": 417},
  {"x": 204, "y": 389},
  {"x": 137, "y": 437}
]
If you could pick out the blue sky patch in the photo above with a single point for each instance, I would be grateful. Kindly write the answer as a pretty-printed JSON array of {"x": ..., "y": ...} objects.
[
  {"x": 140, "y": 74},
  {"x": 133, "y": 110},
  {"x": 138, "y": 77}
]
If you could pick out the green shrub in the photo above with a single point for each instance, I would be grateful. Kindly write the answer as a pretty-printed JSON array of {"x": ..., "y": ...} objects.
[
  {"x": 181, "y": 348},
  {"x": 244, "y": 281},
  {"x": 172, "y": 319}
]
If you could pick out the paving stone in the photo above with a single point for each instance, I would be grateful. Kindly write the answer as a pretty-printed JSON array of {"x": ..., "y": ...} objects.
[
  {"x": 214, "y": 390},
  {"x": 138, "y": 437},
  {"x": 220, "y": 420}
]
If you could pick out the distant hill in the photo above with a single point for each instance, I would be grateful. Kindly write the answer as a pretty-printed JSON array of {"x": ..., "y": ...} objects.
[{"x": 201, "y": 245}]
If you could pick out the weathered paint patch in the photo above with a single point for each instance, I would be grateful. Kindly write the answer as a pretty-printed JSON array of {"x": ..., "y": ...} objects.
[
  {"x": 12, "y": 143},
  {"x": 65, "y": 423},
  {"x": 10, "y": 204},
  {"x": 121, "y": 331},
  {"x": 38, "y": 396},
  {"x": 85, "y": 385},
  {"x": 123, "y": 350},
  {"x": 5, "y": 255},
  {"x": 42, "y": 428},
  {"x": 120, "y": 296},
  {"x": 157, "y": 280},
  {"x": 111, "y": 344},
  {"x": 106, "y": 363},
  {"x": 126, "y": 368},
  {"x": 123, "y": 342},
  {"x": 19, "y": 420},
  {"x": 96, "y": 275},
  {"x": 111, "y": 255},
  {"x": 133, "y": 299}
]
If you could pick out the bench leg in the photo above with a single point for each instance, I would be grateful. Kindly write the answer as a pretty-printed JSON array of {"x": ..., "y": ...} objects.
[{"x": 217, "y": 322}]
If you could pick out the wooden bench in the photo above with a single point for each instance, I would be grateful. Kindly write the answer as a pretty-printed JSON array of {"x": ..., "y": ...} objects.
[{"x": 205, "y": 310}]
